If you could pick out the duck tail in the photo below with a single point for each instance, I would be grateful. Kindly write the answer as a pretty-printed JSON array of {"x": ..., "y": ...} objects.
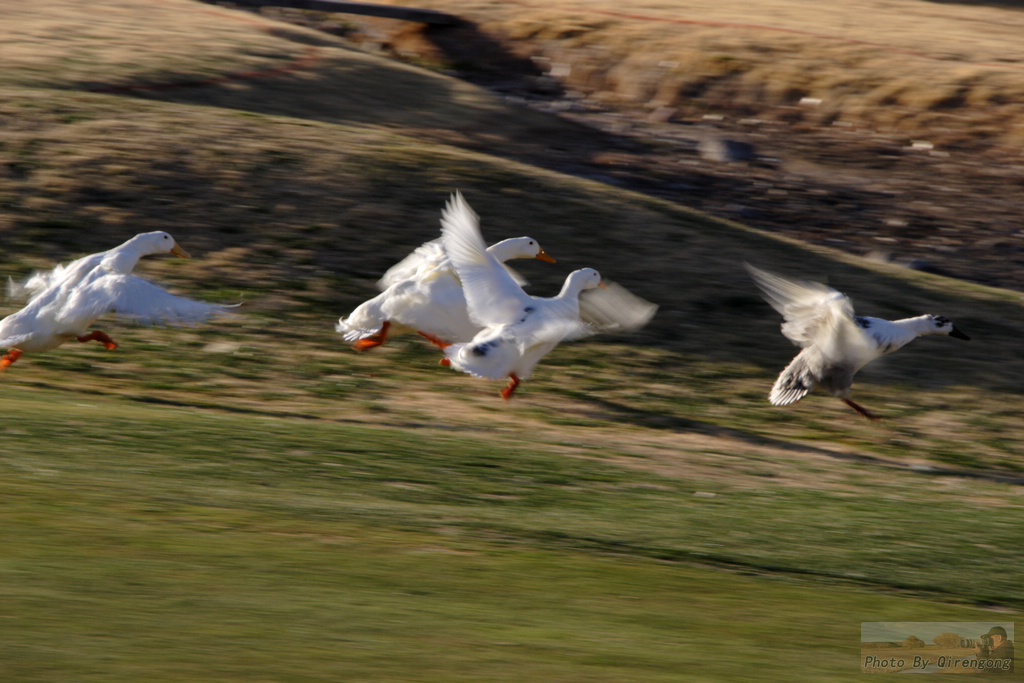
[
  {"x": 366, "y": 320},
  {"x": 794, "y": 382}
]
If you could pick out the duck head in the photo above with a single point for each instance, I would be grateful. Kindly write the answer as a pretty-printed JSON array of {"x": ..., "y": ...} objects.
[
  {"x": 519, "y": 247},
  {"x": 943, "y": 325},
  {"x": 123, "y": 259},
  {"x": 584, "y": 278},
  {"x": 157, "y": 242},
  {"x": 162, "y": 243}
]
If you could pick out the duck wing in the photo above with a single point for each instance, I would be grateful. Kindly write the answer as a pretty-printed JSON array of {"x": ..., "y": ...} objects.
[
  {"x": 132, "y": 297},
  {"x": 816, "y": 316},
  {"x": 613, "y": 308},
  {"x": 492, "y": 295},
  {"x": 425, "y": 257}
]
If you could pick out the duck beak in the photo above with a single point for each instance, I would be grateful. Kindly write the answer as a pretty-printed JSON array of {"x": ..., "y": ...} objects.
[
  {"x": 543, "y": 256},
  {"x": 958, "y": 334},
  {"x": 602, "y": 285},
  {"x": 179, "y": 252}
]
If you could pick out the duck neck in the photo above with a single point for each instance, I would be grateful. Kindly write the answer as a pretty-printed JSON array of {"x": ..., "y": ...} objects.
[
  {"x": 889, "y": 335},
  {"x": 906, "y": 330},
  {"x": 571, "y": 288},
  {"x": 918, "y": 325},
  {"x": 504, "y": 250},
  {"x": 123, "y": 259}
]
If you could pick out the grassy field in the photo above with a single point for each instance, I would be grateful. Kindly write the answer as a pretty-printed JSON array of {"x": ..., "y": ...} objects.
[
  {"x": 253, "y": 501},
  {"x": 169, "y": 543}
]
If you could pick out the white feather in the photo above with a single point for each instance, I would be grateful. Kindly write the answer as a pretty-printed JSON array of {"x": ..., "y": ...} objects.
[
  {"x": 836, "y": 343},
  {"x": 519, "y": 329},
  {"x": 67, "y": 300},
  {"x": 423, "y": 293},
  {"x": 492, "y": 296}
]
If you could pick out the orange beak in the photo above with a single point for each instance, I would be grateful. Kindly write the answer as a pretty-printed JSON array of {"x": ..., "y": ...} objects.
[
  {"x": 602, "y": 285},
  {"x": 543, "y": 256},
  {"x": 179, "y": 252}
]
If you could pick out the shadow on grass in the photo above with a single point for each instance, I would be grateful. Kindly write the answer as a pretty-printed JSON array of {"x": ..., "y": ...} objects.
[
  {"x": 345, "y": 86},
  {"x": 652, "y": 419}
]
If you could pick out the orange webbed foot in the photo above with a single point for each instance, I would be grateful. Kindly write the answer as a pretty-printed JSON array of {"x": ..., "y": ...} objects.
[
  {"x": 367, "y": 343},
  {"x": 374, "y": 340},
  {"x": 9, "y": 358}
]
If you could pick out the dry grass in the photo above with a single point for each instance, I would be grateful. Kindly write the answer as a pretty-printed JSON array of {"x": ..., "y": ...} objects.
[
  {"x": 59, "y": 43},
  {"x": 298, "y": 217},
  {"x": 946, "y": 71}
]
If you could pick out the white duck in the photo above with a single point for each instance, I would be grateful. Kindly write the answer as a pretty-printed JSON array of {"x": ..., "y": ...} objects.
[
  {"x": 421, "y": 293},
  {"x": 836, "y": 343},
  {"x": 64, "y": 302},
  {"x": 517, "y": 329}
]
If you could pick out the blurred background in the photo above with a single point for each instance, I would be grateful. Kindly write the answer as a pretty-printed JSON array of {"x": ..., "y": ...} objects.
[{"x": 253, "y": 500}]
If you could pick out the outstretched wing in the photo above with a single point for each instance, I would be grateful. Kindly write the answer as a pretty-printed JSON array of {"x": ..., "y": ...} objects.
[
  {"x": 492, "y": 295},
  {"x": 613, "y": 308},
  {"x": 815, "y": 315},
  {"x": 132, "y": 297}
]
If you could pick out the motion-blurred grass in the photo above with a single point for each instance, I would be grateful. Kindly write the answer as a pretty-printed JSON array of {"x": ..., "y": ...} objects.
[
  {"x": 166, "y": 543},
  {"x": 251, "y": 500}
]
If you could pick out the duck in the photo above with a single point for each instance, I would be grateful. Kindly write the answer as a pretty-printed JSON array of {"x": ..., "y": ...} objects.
[
  {"x": 516, "y": 329},
  {"x": 65, "y": 301},
  {"x": 835, "y": 342},
  {"x": 422, "y": 294}
]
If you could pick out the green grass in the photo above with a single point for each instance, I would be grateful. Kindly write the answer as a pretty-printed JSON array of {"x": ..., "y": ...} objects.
[{"x": 168, "y": 543}]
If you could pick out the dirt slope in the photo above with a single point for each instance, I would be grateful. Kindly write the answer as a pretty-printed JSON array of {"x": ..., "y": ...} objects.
[{"x": 890, "y": 129}]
